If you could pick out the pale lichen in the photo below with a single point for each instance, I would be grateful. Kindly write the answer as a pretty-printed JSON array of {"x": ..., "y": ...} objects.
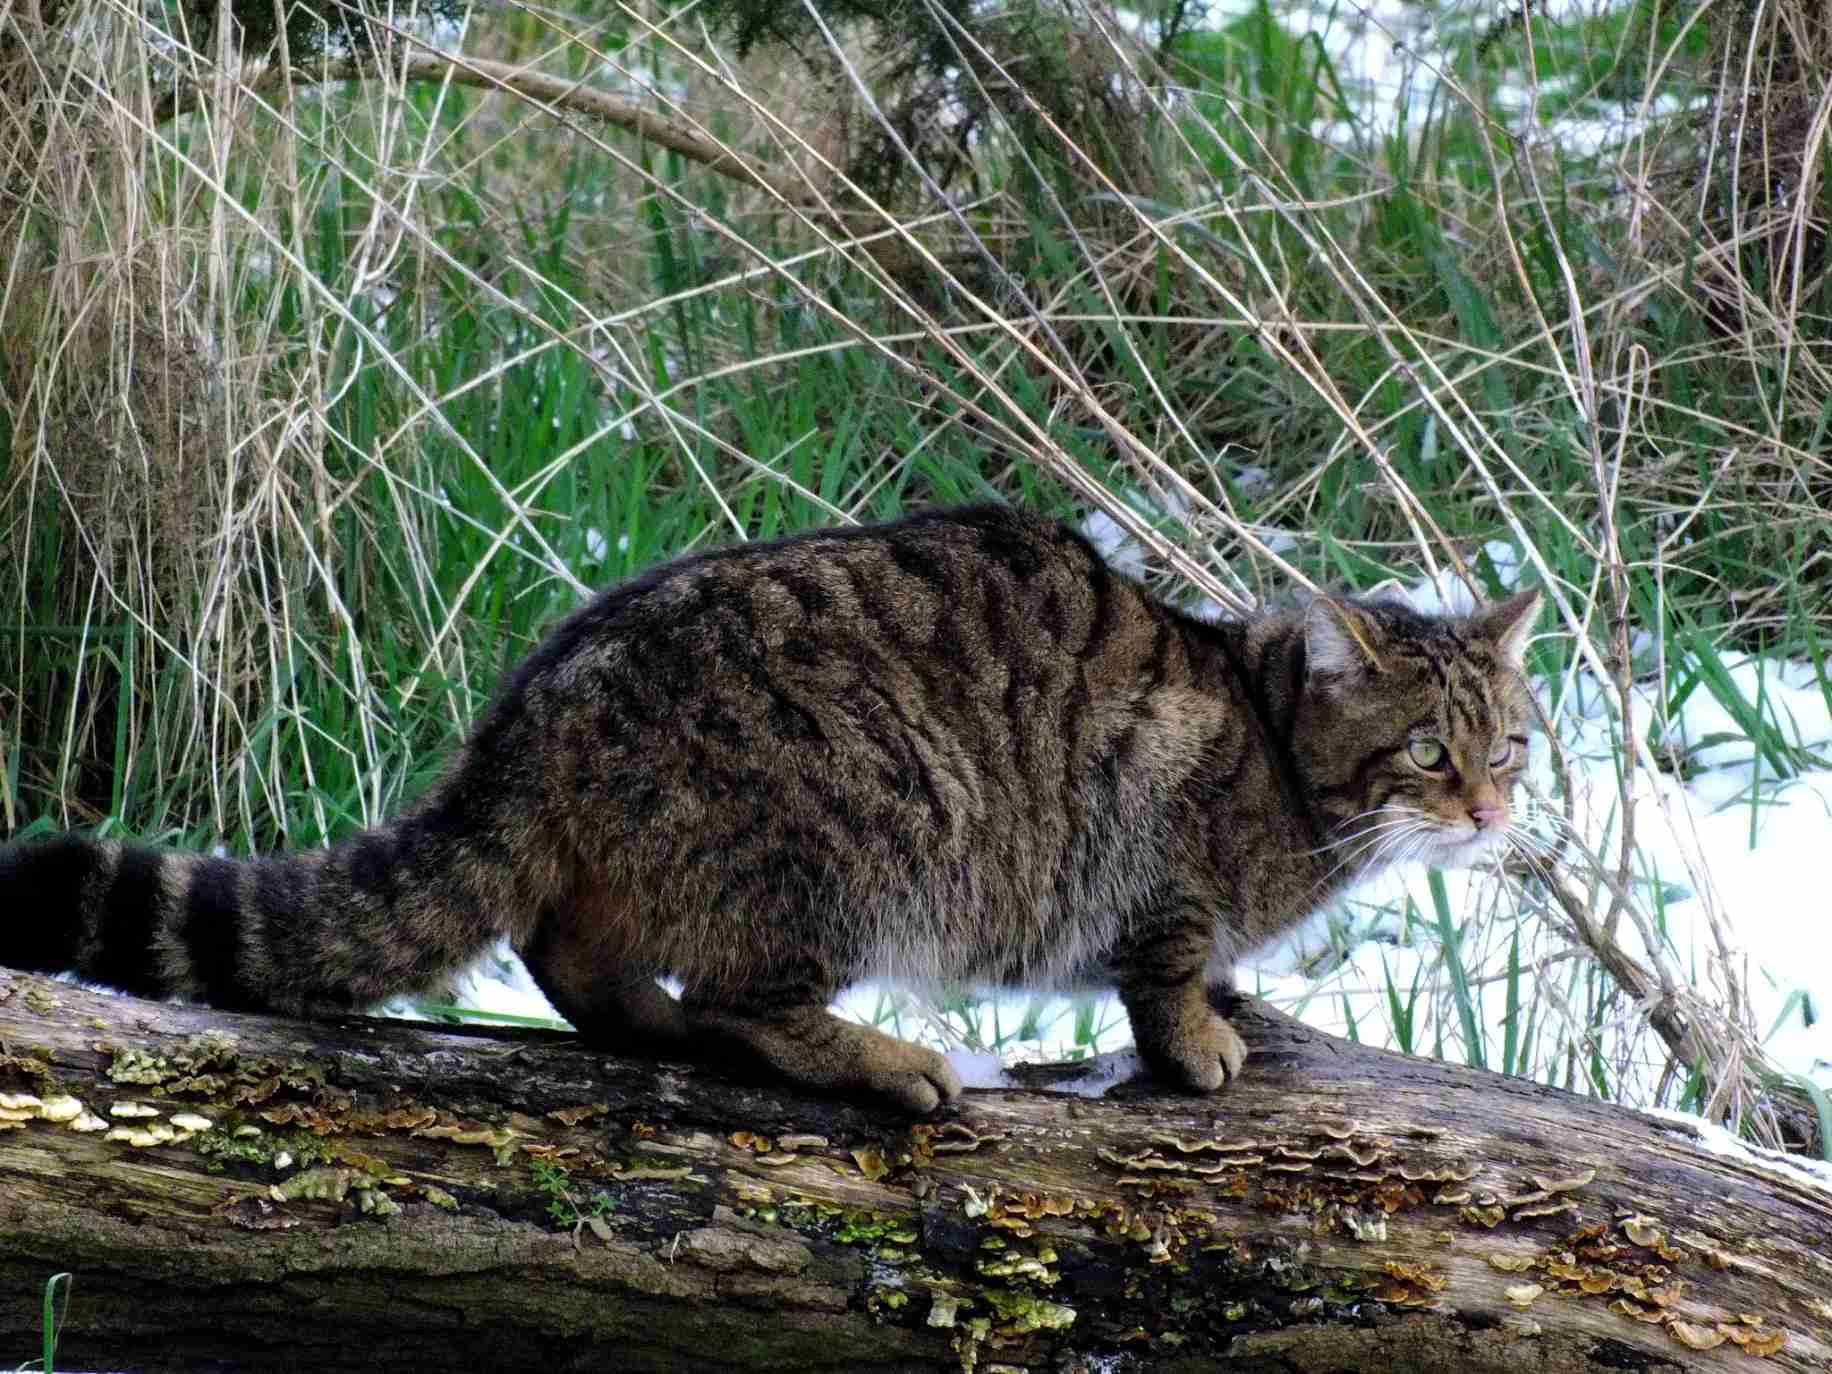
[{"x": 1021, "y": 1313}]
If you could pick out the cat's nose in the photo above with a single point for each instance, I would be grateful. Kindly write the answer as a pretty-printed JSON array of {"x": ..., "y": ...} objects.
[{"x": 1486, "y": 817}]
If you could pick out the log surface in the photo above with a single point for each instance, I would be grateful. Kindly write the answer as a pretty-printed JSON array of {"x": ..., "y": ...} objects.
[{"x": 363, "y": 1194}]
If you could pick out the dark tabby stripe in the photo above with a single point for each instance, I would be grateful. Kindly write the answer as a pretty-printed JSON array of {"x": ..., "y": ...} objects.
[
  {"x": 41, "y": 886},
  {"x": 130, "y": 914},
  {"x": 210, "y": 930}
]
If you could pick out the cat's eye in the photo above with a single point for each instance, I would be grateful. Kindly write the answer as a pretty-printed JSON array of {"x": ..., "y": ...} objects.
[
  {"x": 1427, "y": 754},
  {"x": 1502, "y": 754}
]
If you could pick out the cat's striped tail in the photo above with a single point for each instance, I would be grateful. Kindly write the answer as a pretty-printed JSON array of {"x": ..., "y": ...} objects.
[{"x": 387, "y": 911}]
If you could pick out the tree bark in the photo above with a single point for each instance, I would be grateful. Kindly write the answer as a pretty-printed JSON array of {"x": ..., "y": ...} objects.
[{"x": 366, "y": 1195}]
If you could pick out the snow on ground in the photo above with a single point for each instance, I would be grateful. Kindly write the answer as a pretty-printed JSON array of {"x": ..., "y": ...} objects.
[
  {"x": 1714, "y": 1139},
  {"x": 1389, "y": 57}
]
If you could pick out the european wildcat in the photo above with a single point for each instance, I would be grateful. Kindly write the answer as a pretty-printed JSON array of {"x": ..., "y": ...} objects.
[{"x": 956, "y": 748}]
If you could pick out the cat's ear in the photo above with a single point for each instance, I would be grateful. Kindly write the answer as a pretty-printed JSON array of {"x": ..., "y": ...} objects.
[
  {"x": 1509, "y": 625},
  {"x": 1341, "y": 639}
]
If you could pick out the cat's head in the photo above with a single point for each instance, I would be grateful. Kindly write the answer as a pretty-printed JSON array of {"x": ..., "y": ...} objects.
[{"x": 1416, "y": 727}]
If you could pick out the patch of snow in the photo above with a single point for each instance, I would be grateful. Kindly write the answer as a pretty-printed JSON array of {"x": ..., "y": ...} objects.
[
  {"x": 1789, "y": 699},
  {"x": 501, "y": 985},
  {"x": 1118, "y": 549},
  {"x": 1253, "y": 479},
  {"x": 978, "y": 1068},
  {"x": 1102, "y": 1074},
  {"x": 1715, "y": 1140},
  {"x": 1445, "y": 594},
  {"x": 1505, "y": 559}
]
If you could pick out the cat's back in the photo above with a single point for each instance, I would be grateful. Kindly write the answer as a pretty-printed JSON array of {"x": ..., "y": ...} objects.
[
  {"x": 980, "y": 591},
  {"x": 901, "y": 685},
  {"x": 913, "y": 582}
]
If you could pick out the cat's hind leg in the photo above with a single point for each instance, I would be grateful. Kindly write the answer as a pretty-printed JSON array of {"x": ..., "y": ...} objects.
[
  {"x": 613, "y": 1004},
  {"x": 784, "y": 1030},
  {"x": 1163, "y": 972}
]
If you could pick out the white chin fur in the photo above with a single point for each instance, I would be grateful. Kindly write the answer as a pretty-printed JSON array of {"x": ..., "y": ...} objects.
[{"x": 1463, "y": 848}]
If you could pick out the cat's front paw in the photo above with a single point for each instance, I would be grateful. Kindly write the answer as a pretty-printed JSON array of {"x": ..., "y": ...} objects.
[{"x": 1206, "y": 1052}]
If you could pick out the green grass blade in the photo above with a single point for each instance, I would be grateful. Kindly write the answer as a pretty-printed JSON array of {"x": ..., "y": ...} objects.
[{"x": 1450, "y": 941}]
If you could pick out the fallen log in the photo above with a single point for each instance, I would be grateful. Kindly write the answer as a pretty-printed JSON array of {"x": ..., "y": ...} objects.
[{"x": 234, "y": 1191}]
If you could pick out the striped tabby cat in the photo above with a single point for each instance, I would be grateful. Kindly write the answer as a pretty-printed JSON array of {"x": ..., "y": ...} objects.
[{"x": 957, "y": 749}]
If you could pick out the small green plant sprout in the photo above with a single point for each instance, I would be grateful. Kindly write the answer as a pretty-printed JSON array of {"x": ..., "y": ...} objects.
[
  {"x": 54, "y": 1315},
  {"x": 565, "y": 1209}
]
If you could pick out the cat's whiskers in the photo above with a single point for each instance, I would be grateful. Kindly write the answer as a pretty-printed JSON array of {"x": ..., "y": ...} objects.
[
  {"x": 1541, "y": 852},
  {"x": 1383, "y": 817},
  {"x": 1532, "y": 851},
  {"x": 1406, "y": 845},
  {"x": 1369, "y": 848},
  {"x": 1552, "y": 820},
  {"x": 1521, "y": 837},
  {"x": 1350, "y": 849}
]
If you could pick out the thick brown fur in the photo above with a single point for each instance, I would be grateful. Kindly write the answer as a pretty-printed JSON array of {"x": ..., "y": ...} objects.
[{"x": 957, "y": 749}]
